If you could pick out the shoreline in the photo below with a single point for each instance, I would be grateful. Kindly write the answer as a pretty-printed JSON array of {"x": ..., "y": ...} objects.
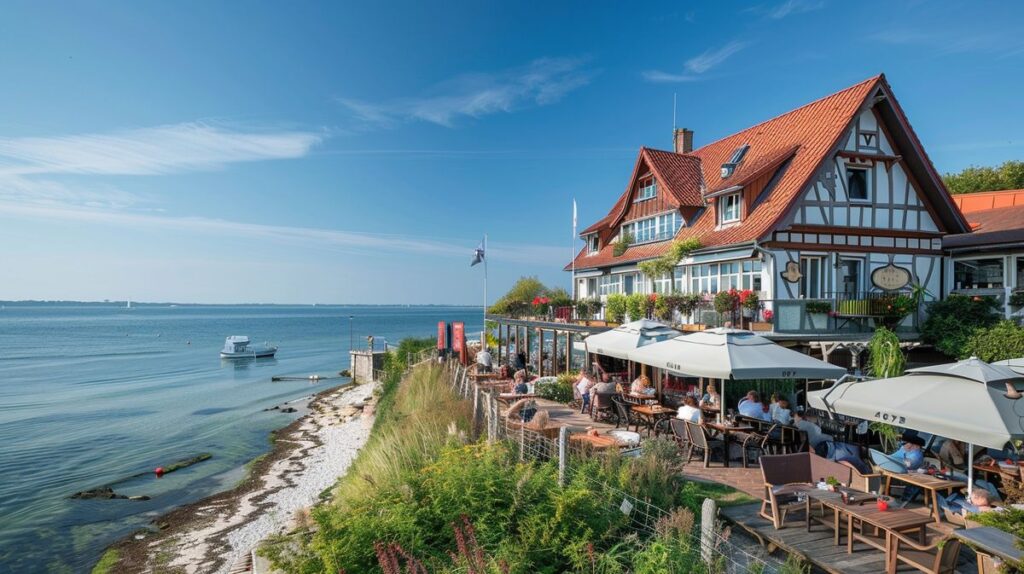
[{"x": 307, "y": 458}]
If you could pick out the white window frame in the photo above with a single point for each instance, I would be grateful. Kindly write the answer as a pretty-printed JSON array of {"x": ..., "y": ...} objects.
[
  {"x": 805, "y": 291},
  {"x": 736, "y": 199},
  {"x": 609, "y": 284},
  {"x": 652, "y": 229},
  {"x": 646, "y": 192},
  {"x": 593, "y": 243},
  {"x": 867, "y": 184}
]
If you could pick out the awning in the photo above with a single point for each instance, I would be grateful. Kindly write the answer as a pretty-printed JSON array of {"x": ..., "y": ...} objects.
[{"x": 715, "y": 257}]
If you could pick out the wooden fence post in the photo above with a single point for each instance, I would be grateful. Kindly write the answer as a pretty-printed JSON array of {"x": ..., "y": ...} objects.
[
  {"x": 708, "y": 513},
  {"x": 563, "y": 453}
]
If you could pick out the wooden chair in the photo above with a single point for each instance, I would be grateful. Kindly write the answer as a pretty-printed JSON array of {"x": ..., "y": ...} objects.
[
  {"x": 701, "y": 443},
  {"x": 679, "y": 434},
  {"x": 625, "y": 413},
  {"x": 601, "y": 406},
  {"x": 758, "y": 443},
  {"x": 938, "y": 555},
  {"x": 870, "y": 482},
  {"x": 786, "y": 475}
]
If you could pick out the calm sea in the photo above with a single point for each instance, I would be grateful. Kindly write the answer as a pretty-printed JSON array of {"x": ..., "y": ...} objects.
[{"x": 91, "y": 394}]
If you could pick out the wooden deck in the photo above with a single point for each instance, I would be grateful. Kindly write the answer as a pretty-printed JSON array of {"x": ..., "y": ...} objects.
[{"x": 817, "y": 548}]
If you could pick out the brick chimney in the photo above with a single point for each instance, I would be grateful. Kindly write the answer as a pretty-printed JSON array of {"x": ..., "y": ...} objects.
[{"x": 683, "y": 140}]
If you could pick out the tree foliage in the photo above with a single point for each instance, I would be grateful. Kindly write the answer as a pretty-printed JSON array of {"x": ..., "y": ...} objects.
[
  {"x": 1009, "y": 175},
  {"x": 953, "y": 320},
  {"x": 665, "y": 264},
  {"x": 518, "y": 299},
  {"x": 885, "y": 356},
  {"x": 1002, "y": 341}
]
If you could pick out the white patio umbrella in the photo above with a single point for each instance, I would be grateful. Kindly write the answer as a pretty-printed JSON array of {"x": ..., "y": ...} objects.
[
  {"x": 622, "y": 341},
  {"x": 736, "y": 354},
  {"x": 933, "y": 400}
]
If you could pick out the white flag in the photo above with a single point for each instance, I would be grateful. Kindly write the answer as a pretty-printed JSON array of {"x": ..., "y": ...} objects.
[{"x": 574, "y": 214}]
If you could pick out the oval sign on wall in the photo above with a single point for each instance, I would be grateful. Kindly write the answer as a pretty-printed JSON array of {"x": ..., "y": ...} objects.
[{"x": 890, "y": 277}]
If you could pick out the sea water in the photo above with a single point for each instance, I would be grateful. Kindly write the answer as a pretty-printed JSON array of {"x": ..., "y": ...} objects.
[{"x": 91, "y": 394}]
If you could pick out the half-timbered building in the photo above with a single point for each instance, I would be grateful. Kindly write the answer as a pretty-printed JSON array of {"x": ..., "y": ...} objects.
[{"x": 834, "y": 202}]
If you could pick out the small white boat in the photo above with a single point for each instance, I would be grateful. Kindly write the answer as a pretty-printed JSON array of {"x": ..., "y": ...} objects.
[{"x": 239, "y": 347}]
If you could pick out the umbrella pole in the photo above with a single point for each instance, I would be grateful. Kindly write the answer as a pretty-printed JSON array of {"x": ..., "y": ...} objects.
[
  {"x": 721, "y": 406},
  {"x": 970, "y": 470}
]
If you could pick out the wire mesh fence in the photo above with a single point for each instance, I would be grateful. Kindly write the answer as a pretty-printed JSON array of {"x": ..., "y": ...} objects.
[{"x": 721, "y": 554}]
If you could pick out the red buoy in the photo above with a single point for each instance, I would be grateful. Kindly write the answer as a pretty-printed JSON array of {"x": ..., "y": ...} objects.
[{"x": 159, "y": 471}]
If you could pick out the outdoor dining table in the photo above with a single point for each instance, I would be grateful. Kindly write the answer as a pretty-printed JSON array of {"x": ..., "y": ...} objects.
[
  {"x": 1002, "y": 471},
  {"x": 833, "y": 500},
  {"x": 987, "y": 540},
  {"x": 726, "y": 429},
  {"x": 930, "y": 484},
  {"x": 891, "y": 520},
  {"x": 651, "y": 414},
  {"x": 596, "y": 442}
]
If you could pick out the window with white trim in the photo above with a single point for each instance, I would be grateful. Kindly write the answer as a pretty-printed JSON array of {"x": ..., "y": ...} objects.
[
  {"x": 714, "y": 277},
  {"x": 663, "y": 283},
  {"x": 609, "y": 284},
  {"x": 812, "y": 277},
  {"x": 679, "y": 279},
  {"x": 857, "y": 184},
  {"x": 730, "y": 207},
  {"x": 648, "y": 189},
  {"x": 593, "y": 243},
  {"x": 657, "y": 228}
]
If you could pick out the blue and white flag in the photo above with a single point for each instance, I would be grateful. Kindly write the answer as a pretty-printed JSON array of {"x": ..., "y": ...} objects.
[{"x": 478, "y": 254}]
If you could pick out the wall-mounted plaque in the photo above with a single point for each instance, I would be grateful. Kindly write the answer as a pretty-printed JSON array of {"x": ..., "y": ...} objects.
[
  {"x": 890, "y": 277},
  {"x": 792, "y": 272}
]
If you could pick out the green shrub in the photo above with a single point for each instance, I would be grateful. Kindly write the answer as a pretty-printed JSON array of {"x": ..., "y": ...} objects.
[
  {"x": 615, "y": 308},
  {"x": 952, "y": 321},
  {"x": 559, "y": 390},
  {"x": 818, "y": 307},
  {"x": 636, "y": 306},
  {"x": 620, "y": 246},
  {"x": 1004, "y": 340}
]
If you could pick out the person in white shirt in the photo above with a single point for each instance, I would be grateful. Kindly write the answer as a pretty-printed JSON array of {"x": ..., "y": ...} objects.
[
  {"x": 689, "y": 411},
  {"x": 483, "y": 359},
  {"x": 814, "y": 434},
  {"x": 583, "y": 385},
  {"x": 751, "y": 407},
  {"x": 781, "y": 413}
]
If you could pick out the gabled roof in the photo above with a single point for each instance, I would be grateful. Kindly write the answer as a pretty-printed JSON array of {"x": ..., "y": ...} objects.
[
  {"x": 991, "y": 227},
  {"x": 984, "y": 200},
  {"x": 794, "y": 146}
]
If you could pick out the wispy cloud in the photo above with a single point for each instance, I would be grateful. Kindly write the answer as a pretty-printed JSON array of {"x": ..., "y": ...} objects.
[
  {"x": 150, "y": 151},
  {"x": 789, "y": 7},
  {"x": 960, "y": 42},
  {"x": 697, "y": 65},
  {"x": 349, "y": 241},
  {"x": 539, "y": 83}
]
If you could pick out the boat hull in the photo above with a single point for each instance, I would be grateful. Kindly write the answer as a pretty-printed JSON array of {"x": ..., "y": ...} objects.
[{"x": 256, "y": 354}]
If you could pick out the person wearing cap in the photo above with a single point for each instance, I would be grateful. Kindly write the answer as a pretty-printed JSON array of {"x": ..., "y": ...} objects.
[{"x": 911, "y": 454}]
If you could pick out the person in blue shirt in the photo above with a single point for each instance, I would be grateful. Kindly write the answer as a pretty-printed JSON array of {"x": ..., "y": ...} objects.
[
  {"x": 750, "y": 406},
  {"x": 911, "y": 454}
]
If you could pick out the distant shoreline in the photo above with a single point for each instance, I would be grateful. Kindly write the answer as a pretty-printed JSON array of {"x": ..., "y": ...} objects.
[{"x": 121, "y": 304}]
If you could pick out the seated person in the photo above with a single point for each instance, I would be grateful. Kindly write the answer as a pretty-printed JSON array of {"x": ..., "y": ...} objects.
[
  {"x": 483, "y": 361},
  {"x": 813, "y": 431},
  {"x": 980, "y": 500},
  {"x": 751, "y": 407},
  {"x": 689, "y": 411},
  {"x": 583, "y": 384},
  {"x": 519, "y": 385},
  {"x": 641, "y": 386},
  {"x": 605, "y": 387},
  {"x": 911, "y": 454},
  {"x": 781, "y": 413},
  {"x": 710, "y": 397},
  {"x": 952, "y": 454}
]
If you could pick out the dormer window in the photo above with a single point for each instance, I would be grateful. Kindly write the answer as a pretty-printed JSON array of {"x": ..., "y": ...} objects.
[
  {"x": 729, "y": 208},
  {"x": 648, "y": 189},
  {"x": 857, "y": 184},
  {"x": 729, "y": 167},
  {"x": 593, "y": 244}
]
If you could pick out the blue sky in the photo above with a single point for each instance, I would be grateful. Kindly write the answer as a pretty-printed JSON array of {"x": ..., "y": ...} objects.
[{"x": 356, "y": 153}]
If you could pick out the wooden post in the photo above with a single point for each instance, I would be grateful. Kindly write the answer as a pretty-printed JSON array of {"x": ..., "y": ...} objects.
[
  {"x": 540, "y": 351},
  {"x": 568, "y": 351},
  {"x": 563, "y": 453},
  {"x": 477, "y": 415},
  {"x": 527, "y": 349},
  {"x": 554, "y": 353},
  {"x": 708, "y": 512}
]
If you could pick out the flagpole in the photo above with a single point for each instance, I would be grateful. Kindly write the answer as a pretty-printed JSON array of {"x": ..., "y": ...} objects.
[
  {"x": 572, "y": 250},
  {"x": 486, "y": 256}
]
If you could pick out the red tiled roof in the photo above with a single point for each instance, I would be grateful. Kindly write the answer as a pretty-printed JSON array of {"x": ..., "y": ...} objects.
[
  {"x": 812, "y": 130},
  {"x": 991, "y": 226},
  {"x": 680, "y": 173},
  {"x": 984, "y": 200}
]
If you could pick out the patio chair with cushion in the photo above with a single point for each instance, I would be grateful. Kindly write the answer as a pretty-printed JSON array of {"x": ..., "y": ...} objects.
[
  {"x": 938, "y": 555},
  {"x": 786, "y": 475},
  {"x": 701, "y": 444},
  {"x": 869, "y": 482}
]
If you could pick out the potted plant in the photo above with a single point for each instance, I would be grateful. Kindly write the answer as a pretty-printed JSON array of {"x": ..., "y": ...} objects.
[
  {"x": 817, "y": 313},
  {"x": 540, "y": 306},
  {"x": 727, "y": 304},
  {"x": 750, "y": 303},
  {"x": 615, "y": 308},
  {"x": 636, "y": 306},
  {"x": 833, "y": 483}
]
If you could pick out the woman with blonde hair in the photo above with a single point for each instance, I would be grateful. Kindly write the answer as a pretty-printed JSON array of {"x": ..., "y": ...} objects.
[{"x": 640, "y": 385}]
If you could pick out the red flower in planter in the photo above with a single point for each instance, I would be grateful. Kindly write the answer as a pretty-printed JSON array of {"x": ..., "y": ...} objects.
[
  {"x": 768, "y": 315},
  {"x": 653, "y": 297}
]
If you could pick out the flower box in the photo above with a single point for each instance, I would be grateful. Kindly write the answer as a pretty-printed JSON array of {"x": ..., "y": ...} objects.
[
  {"x": 760, "y": 326},
  {"x": 693, "y": 327}
]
